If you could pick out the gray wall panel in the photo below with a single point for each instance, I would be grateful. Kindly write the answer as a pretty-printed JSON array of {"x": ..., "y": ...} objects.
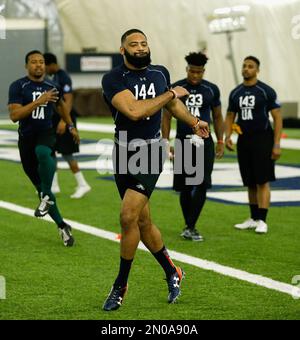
[{"x": 12, "y": 59}]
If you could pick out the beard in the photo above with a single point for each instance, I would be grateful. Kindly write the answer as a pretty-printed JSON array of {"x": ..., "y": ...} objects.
[
  {"x": 247, "y": 76},
  {"x": 37, "y": 74},
  {"x": 138, "y": 62}
]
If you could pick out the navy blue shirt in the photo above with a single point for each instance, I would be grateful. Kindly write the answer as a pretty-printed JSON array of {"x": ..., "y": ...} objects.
[
  {"x": 145, "y": 84},
  {"x": 202, "y": 99},
  {"x": 252, "y": 105},
  {"x": 24, "y": 91},
  {"x": 64, "y": 82}
]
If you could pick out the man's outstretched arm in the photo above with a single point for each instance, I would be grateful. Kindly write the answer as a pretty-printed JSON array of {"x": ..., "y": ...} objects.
[{"x": 180, "y": 111}]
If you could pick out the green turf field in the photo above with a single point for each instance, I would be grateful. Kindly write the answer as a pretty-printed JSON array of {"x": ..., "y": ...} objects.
[{"x": 44, "y": 280}]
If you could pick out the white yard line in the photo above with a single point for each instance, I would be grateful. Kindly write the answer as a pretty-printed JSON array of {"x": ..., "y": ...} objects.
[
  {"x": 289, "y": 143},
  {"x": 258, "y": 280},
  {"x": 5, "y": 122}
]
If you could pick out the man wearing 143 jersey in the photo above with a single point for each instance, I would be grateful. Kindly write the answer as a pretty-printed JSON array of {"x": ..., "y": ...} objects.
[{"x": 258, "y": 144}]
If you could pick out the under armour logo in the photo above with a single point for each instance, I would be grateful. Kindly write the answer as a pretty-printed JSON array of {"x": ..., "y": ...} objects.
[
  {"x": 141, "y": 187},
  {"x": 143, "y": 79},
  {"x": 176, "y": 284}
]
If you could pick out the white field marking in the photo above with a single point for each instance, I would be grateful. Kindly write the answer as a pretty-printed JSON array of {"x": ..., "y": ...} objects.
[
  {"x": 90, "y": 127},
  {"x": 194, "y": 261},
  {"x": 6, "y": 122},
  {"x": 278, "y": 196},
  {"x": 288, "y": 143}
]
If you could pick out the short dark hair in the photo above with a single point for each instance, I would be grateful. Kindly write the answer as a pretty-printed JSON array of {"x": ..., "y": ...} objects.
[
  {"x": 50, "y": 58},
  {"x": 196, "y": 59},
  {"x": 256, "y": 60},
  {"x": 31, "y": 53},
  {"x": 129, "y": 32}
]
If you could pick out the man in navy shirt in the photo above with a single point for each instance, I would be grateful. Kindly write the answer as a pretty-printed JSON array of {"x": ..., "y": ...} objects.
[
  {"x": 136, "y": 92},
  {"x": 258, "y": 144},
  {"x": 64, "y": 140},
  {"x": 31, "y": 103},
  {"x": 203, "y": 100}
]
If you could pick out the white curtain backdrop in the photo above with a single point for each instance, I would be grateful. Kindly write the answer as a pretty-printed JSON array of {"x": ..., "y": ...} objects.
[{"x": 175, "y": 28}]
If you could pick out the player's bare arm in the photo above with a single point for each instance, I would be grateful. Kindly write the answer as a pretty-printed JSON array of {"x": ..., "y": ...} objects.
[
  {"x": 68, "y": 99},
  {"x": 230, "y": 117},
  {"x": 218, "y": 122},
  {"x": 166, "y": 124},
  {"x": 62, "y": 109},
  {"x": 166, "y": 129},
  {"x": 180, "y": 111},
  {"x": 18, "y": 112},
  {"x": 276, "y": 152},
  {"x": 134, "y": 109}
]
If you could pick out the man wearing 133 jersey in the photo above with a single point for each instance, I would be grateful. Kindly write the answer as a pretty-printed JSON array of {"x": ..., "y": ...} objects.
[
  {"x": 204, "y": 99},
  {"x": 258, "y": 144},
  {"x": 31, "y": 103}
]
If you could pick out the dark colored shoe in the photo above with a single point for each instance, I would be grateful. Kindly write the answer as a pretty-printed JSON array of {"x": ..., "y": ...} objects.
[
  {"x": 66, "y": 235},
  {"x": 174, "y": 283},
  {"x": 196, "y": 236},
  {"x": 43, "y": 209},
  {"x": 115, "y": 299},
  {"x": 186, "y": 234}
]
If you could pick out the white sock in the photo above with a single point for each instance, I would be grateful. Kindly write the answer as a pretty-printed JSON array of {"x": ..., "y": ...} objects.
[
  {"x": 55, "y": 180},
  {"x": 81, "y": 182}
]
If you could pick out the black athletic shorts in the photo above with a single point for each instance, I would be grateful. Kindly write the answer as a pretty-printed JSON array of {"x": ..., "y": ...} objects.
[
  {"x": 65, "y": 143},
  {"x": 255, "y": 157},
  {"x": 144, "y": 181},
  {"x": 27, "y": 145},
  {"x": 179, "y": 183}
]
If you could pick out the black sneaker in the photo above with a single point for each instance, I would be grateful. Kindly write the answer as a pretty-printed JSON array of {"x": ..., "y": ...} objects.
[
  {"x": 186, "y": 234},
  {"x": 174, "y": 283},
  {"x": 44, "y": 206},
  {"x": 196, "y": 236},
  {"x": 115, "y": 299},
  {"x": 66, "y": 235}
]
